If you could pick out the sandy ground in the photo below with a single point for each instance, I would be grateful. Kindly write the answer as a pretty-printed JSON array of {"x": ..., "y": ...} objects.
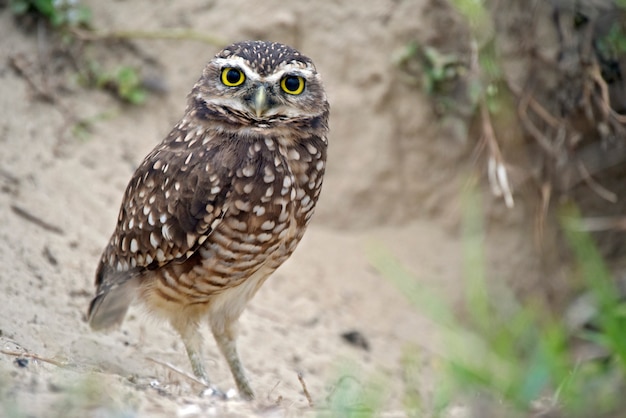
[{"x": 391, "y": 181}]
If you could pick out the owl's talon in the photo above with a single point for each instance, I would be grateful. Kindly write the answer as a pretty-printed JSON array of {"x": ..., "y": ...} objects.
[{"x": 214, "y": 392}]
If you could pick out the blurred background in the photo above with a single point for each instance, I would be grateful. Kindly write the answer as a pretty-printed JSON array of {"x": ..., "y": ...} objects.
[{"x": 466, "y": 258}]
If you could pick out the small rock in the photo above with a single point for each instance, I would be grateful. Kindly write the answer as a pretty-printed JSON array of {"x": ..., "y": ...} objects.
[{"x": 357, "y": 339}]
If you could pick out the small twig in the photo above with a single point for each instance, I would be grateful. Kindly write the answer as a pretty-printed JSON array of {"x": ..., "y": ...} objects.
[
  {"x": 41, "y": 89},
  {"x": 166, "y": 34},
  {"x": 601, "y": 224},
  {"x": 604, "y": 94},
  {"x": 546, "y": 194},
  {"x": 305, "y": 390},
  {"x": 541, "y": 111},
  {"x": 522, "y": 112},
  {"x": 178, "y": 371},
  {"x": 19, "y": 64},
  {"x": 279, "y": 399},
  {"x": 34, "y": 219},
  {"x": 34, "y": 357},
  {"x": 594, "y": 185}
]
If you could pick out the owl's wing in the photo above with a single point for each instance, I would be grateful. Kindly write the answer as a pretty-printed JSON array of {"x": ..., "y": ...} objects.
[{"x": 173, "y": 202}]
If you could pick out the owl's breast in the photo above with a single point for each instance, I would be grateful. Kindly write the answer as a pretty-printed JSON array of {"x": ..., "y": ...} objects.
[{"x": 272, "y": 196}]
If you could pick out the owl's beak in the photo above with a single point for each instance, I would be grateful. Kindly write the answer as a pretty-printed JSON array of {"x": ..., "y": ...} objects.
[{"x": 260, "y": 103}]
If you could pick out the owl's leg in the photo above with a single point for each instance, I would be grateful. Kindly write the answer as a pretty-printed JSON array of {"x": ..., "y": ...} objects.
[
  {"x": 225, "y": 333},
  {"x": 188, "y": 330}
]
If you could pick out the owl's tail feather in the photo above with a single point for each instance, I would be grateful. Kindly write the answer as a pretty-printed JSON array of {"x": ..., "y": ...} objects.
[{"x": 110, "y": 305}]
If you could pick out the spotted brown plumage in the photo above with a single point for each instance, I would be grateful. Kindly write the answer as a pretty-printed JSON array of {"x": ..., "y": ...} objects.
[{"x": 222, "y": 202}]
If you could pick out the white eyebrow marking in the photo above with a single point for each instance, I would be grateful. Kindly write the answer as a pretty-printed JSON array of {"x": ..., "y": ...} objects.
[{"x": 287, "y": 68}]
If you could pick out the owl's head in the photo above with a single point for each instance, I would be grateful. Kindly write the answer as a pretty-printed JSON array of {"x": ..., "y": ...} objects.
[{"x": 260, "y": 85}]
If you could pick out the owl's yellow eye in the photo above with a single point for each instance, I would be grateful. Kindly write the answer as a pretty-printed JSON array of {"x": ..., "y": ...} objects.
[
  {"x": 292, "y": 84},
  {"x": 232, "y": 77}
]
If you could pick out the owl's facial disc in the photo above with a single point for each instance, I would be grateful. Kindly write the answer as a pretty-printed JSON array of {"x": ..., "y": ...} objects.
[{"x": 245, "y": 91}]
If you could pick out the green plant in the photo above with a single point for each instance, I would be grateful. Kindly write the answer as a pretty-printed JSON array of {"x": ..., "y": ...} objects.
[
  {"x": 60, "y": 13},
  {"x": 125, "y": 83},
  {"x": 515, "y": 354},
  {"x": 353, "y": 395}
]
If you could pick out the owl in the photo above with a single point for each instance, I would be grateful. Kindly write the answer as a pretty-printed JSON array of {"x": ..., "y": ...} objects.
[{"x": 222, "y": 202}]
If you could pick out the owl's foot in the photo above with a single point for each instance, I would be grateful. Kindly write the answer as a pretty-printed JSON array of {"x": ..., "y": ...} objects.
[{"x": 214, "y": 392}]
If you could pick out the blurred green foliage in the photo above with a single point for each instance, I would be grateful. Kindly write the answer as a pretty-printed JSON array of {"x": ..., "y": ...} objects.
[
  {"x": 125, "y": 83},
  {"x": 60, "y": 13},
  {"x": 514, "y": 353}
]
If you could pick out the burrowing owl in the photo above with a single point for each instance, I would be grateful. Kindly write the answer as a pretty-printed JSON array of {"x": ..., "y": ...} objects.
[{"x": 223, "y": 201}]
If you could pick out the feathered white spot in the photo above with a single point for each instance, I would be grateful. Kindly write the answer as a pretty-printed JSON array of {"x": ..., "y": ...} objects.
[
  {"x": 160, "y": 255},
  {"x": 293, "y": 154},
  {"x": 319, "y": 165},
  {"x": 258, "y": 210},
  {"x": 146, "y": 210},
  {"x": 248, "y": 171},
  {"x": 157, "y": 164},
  {"x": 267, "y": 225},
  {"x": 215, "y": 189},
  {"x": 188, "y": 158},
  {"x": 248, "y": 188},
  {"x": 131, "y": 223},
  {"x": 149, "y": 259},
  {"x": 134, "y": 245},
  {"x": 279, "y": 228},
  {"x": 154, "y": 241},
  {"x": 215, "y": 223},
  {"x": 191, "y": 239},
  {"x": 269, "y": 176},
  {"x": 241, "y": 205},
  {"x": 312, "y": 150},
  {"x": 264, "y": 237},
  {"x": 151, "y": 219},
  {"x": 165, "y": 232},
  {"x": 287, "y": 181},
  {"x": 237, "y": 224},
  {"x": 177, "y": 186},
  {"x": 152, "y": 199}
]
